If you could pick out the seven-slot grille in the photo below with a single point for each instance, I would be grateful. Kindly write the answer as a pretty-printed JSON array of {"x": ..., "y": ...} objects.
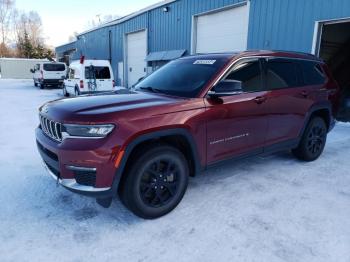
[{"x": 51, "y": 128}]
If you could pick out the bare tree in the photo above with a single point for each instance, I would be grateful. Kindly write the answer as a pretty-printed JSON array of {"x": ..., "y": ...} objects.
[
  {"x": 100, "y": 20},
  {"x": 35, "y": 28},
  {"x": 21, "y": 32},
  {"x": 6, "y": 9},
  {"x": 30, "y": 24},
  {"x": 73, "y": 37}
]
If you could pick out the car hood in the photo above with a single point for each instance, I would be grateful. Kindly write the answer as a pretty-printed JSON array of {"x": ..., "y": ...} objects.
[{"x": 103, "y": 104}]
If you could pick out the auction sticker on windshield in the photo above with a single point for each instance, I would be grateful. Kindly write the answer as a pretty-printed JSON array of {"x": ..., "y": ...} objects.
[{"x": 204, "y": 62}]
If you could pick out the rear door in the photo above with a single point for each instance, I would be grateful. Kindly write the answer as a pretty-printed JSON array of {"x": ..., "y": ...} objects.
[
  {"x": 99, "y": 78},
  {"x": 288, "y": 99},
  {"x": 238, "y": 123},
  {"x": 54, "y": 70}
]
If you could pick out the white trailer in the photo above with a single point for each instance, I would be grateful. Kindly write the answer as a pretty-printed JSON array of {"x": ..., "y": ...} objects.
[{"x": 18, "y": 68}]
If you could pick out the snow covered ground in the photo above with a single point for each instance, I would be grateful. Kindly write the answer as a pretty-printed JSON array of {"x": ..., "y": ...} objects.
[{"x": 264, "y": 209}]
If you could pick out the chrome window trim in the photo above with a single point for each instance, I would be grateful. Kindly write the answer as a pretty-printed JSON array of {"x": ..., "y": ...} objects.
[{"x": 233, "y": 63}]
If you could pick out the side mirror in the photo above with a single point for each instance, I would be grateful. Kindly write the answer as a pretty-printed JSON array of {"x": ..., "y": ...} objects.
[
  {"x": 226, "y": 88},
  {"x": 138, "y": 81},
  {"x": 32, "y": 71}
]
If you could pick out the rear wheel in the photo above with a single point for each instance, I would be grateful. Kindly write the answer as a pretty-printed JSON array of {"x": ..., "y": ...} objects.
[
  {"x": 156, "y": 182},
  {"x": 313, "y": 141},
  {"x": 42, "y": 86}
]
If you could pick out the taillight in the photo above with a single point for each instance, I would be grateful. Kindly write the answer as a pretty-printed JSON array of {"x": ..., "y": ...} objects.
[
  {"x": 82, "y": 58},
  {"x": 81, "y": 84},
  {"x": 113, "y": 83}
]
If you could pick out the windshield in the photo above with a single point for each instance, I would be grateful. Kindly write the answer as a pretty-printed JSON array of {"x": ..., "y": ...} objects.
[
  {"x": 183, "y": 77},
  {"x": 54, "y": 67}
]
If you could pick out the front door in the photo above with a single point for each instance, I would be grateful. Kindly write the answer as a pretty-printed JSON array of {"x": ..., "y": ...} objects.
[{"x": 238, "y": 123}]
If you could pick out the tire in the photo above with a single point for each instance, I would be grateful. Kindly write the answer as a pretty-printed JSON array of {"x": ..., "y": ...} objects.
[
  {"x": 76, "y": 91},
  {"x": 313, "y": 140},
  {"x": 156, "y": 182},
  {"x": 64, "y": 90},
  {"x": 35, "y": 84},
  {"x": 42, "y": 86}
]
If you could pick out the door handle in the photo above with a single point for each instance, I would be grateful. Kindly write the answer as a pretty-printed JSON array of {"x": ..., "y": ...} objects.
[
  {"x": 305, "y": 94},
  {"x": 260, "y": 99}
]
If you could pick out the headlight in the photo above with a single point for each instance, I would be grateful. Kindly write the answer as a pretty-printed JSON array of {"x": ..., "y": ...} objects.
[{"x": 93, "y": 131}]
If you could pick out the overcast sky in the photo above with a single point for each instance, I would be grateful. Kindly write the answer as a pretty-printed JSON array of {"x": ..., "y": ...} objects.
[{"x": 61, "y": 18}]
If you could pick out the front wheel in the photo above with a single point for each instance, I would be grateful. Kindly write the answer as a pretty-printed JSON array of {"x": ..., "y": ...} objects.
[
  {"x": 64, "y": 90},
  {"x": 156, "y": 182},
  {"x": 313, "y": 140},
  {"x": 76, "y": 91}
]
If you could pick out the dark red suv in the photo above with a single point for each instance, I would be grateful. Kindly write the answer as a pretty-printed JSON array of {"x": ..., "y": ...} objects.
[{"x": 192, "y": 113}]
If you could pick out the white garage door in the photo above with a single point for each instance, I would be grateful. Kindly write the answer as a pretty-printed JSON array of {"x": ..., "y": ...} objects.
[
  {"x": 136, "y": 55},
  {"x": 222, "y": 31}
]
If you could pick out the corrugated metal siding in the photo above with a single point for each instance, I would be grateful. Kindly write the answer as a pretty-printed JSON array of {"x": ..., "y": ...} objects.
[
  {"x": 166, "y": 30},
  {"x": 172, "y": 30},
  {"x": 61, "y": 49},
  {"x": 289, "y": 24}
]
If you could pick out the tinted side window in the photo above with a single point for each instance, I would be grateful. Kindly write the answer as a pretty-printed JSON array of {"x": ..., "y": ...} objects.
[
  {"x": 249, "y": 73},
  {"x": 313, "y": 73},
  {"x": 281, "y": 74}
]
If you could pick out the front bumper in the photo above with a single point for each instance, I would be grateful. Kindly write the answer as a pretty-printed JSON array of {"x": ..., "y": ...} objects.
[
  {"x": 73, "y": 185},
  {"x": 67, "y": 161}
]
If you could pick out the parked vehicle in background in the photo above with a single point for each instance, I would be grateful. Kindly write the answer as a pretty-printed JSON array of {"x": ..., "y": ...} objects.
[
  {"x": 88, "y": 76},
  {"x": 190, "y": 114},
  {"x": 49, "y": 74}
]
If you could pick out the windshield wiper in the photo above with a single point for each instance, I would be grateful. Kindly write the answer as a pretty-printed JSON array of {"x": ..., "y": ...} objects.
[{"x": 150, "y": 89}]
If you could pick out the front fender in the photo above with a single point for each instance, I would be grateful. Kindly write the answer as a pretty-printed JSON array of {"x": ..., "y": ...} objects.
[{"x": 155, "y": 135}]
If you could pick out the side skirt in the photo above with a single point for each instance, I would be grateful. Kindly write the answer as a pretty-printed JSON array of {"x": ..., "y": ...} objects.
[{"x": 282, "y": 146}]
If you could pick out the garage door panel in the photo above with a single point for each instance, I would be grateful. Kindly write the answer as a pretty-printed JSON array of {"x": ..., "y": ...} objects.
[
  {"x": 136, "y": 55},
  {"x": 222, "y": 31}
]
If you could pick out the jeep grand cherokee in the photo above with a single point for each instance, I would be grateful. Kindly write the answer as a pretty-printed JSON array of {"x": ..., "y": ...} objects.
[{"x": 192, "y": 113}]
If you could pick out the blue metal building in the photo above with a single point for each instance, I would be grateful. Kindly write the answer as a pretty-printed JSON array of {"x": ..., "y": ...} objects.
[{"x": 143, "y": 41}]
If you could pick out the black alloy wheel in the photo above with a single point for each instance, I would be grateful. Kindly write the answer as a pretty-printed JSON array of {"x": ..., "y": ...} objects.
[
  {"x": 155, "y": 182},
  {"x": 316, "y": 139},
  {"x": 313, "y": 140},
  {"x": 159, "y": 182}
]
